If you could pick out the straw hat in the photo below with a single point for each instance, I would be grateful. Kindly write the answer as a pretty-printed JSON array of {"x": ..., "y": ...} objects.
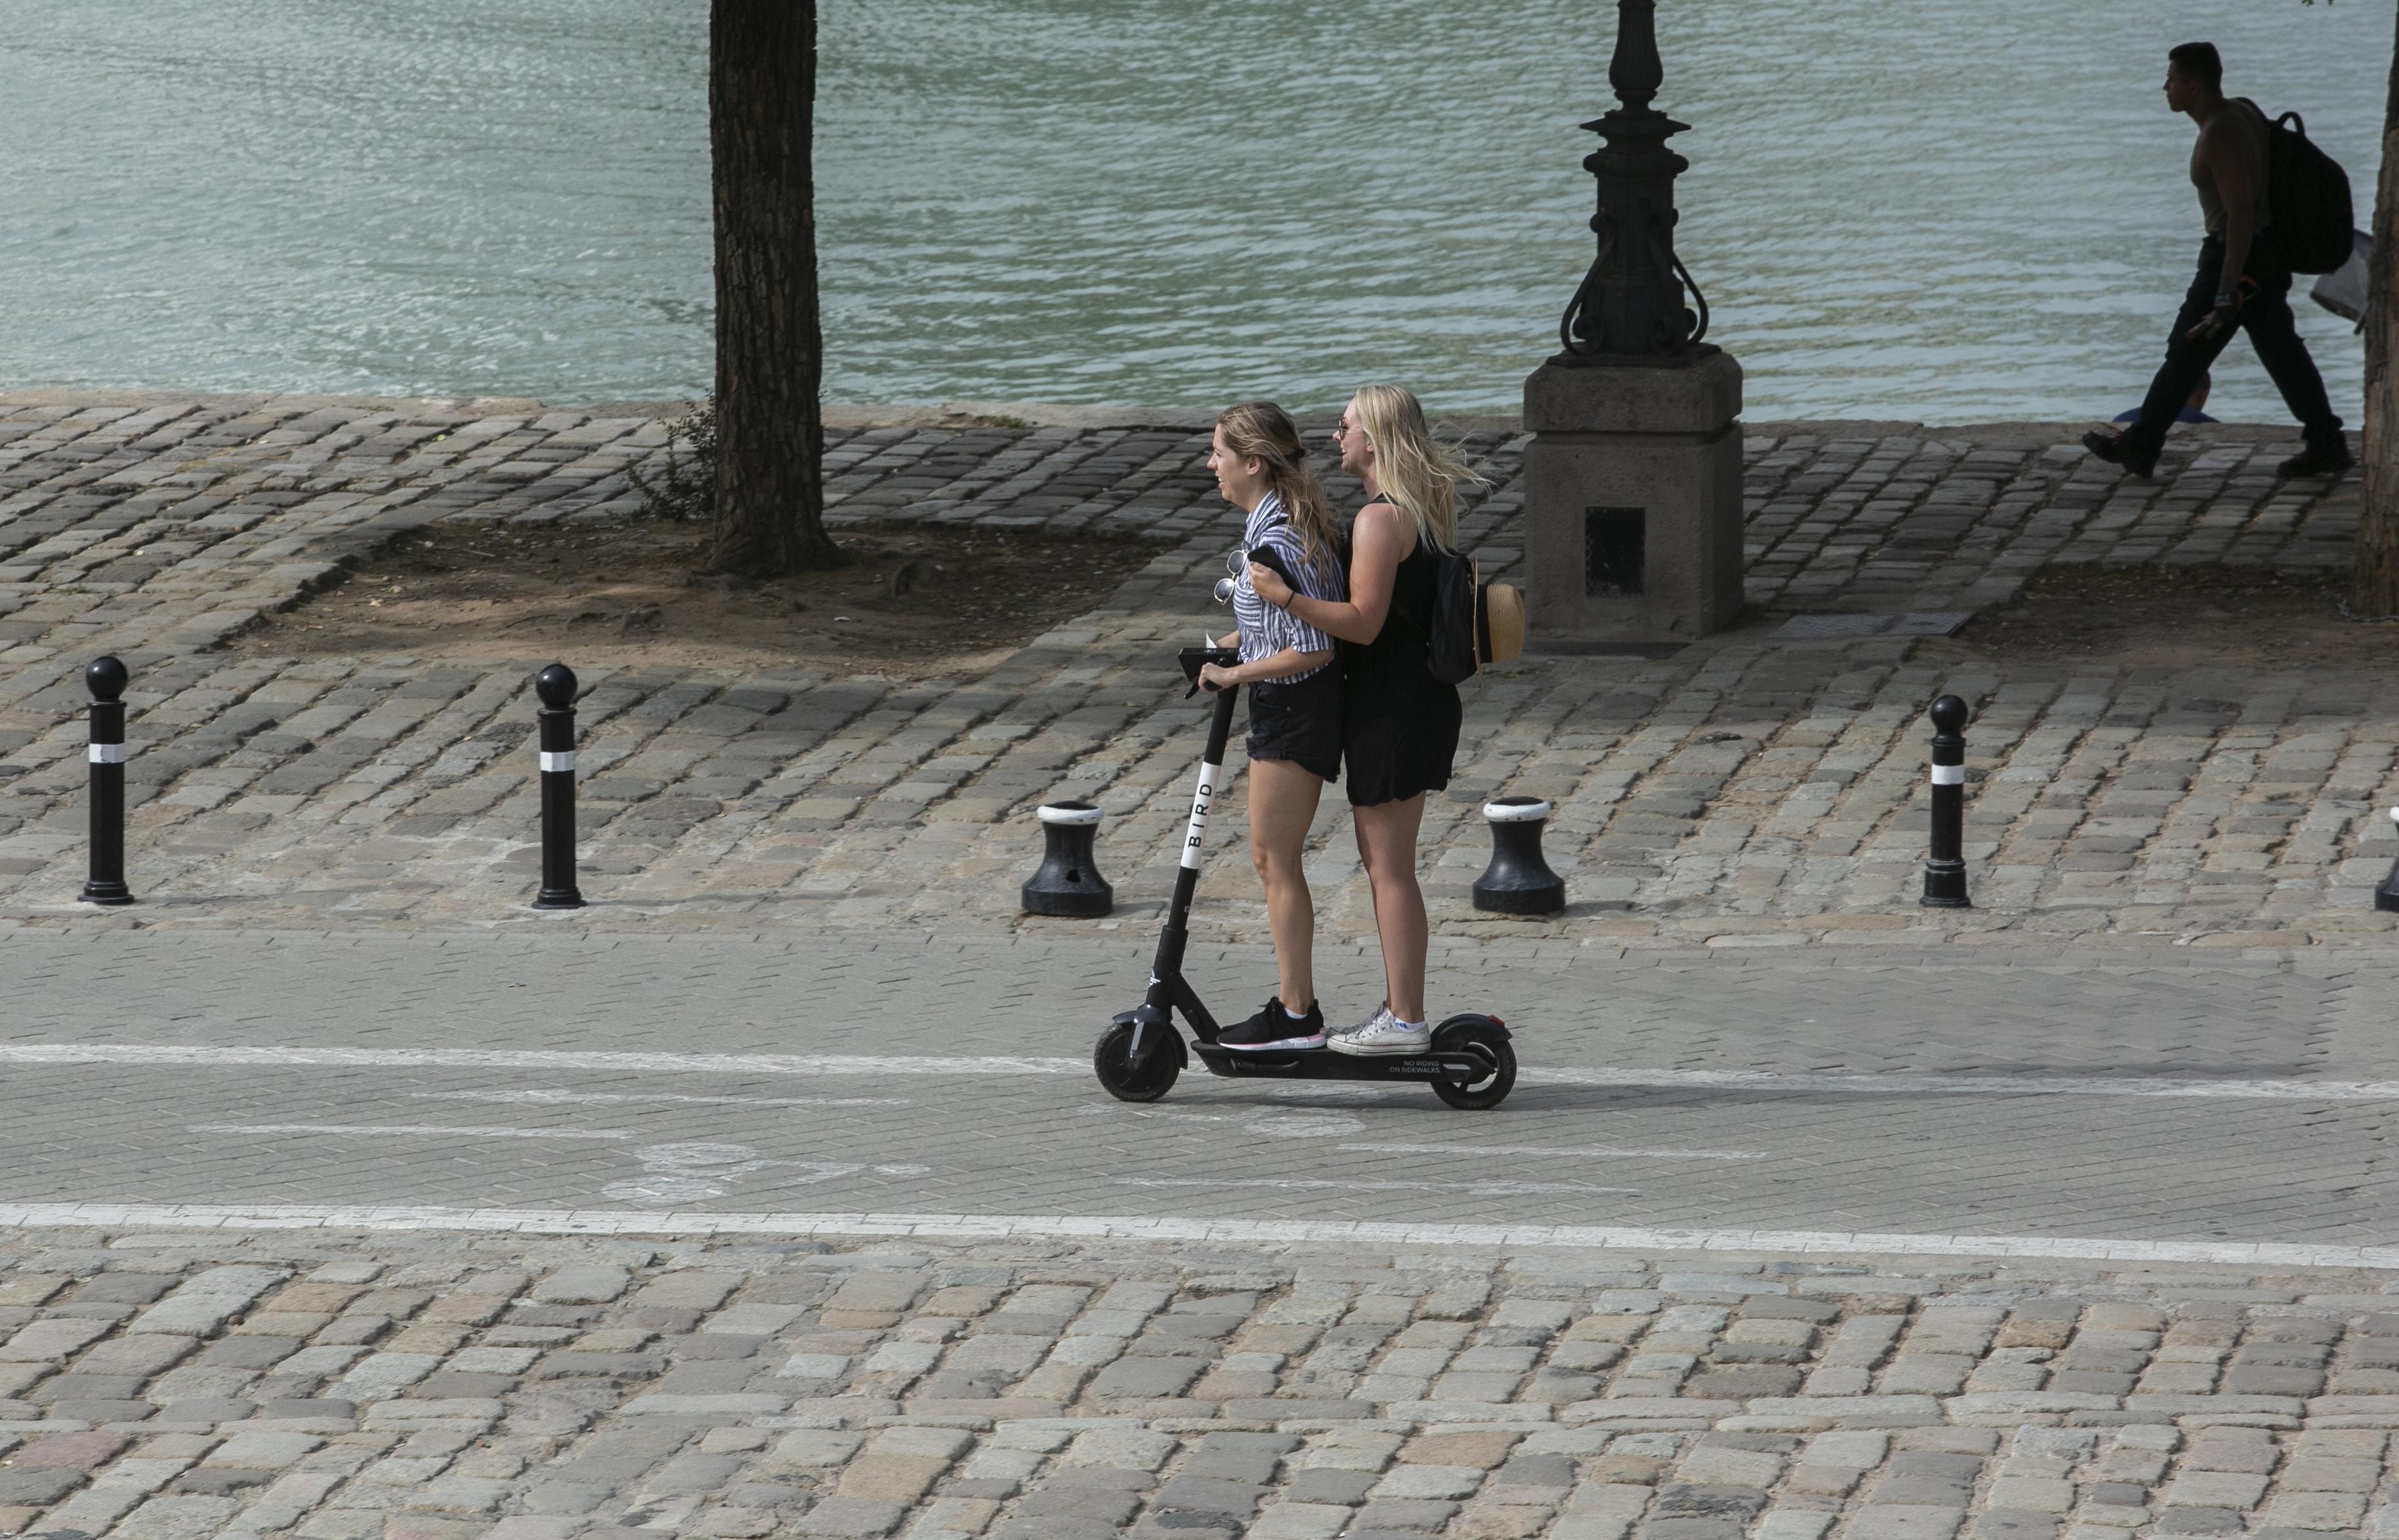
[{"x": 1498, "y": 623}]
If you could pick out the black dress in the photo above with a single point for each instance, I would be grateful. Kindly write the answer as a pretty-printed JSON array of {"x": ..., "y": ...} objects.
[{"x": 1399, "y": 724}]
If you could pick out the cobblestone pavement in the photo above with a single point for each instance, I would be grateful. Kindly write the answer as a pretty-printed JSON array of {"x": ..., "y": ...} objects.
[
  {"x": 1743, "y": 791},
  {"x": 803, "y": 1217},
  {"x": 2182, "y": 1096},
  {"x": 426, "y": 1386}
]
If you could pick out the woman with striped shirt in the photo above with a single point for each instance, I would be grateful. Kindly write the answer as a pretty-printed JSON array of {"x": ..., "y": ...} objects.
[{"x": 1294, "y": 744}]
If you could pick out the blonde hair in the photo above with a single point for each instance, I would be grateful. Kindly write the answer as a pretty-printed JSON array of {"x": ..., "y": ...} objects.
[
  {"x": 1262, "y": 431},
  {"x": 1413, "y": 470}
]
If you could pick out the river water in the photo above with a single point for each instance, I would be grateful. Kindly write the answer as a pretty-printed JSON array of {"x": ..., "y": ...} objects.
[{"x": 1946, "y": 210}]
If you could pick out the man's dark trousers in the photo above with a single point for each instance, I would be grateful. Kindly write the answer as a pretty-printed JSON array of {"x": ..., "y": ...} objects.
[{"x": 2267, "y": 319}]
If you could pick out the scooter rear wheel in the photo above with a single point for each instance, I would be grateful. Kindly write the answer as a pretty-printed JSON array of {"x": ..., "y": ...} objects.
[
  {"x": 1147, "y": 1080},
  {"x": 1483, "y": 1042}
]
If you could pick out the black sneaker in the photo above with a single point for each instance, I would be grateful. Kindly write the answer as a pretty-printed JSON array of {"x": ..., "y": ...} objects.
[
  {"x": 2116, "y": 449},
  {"x": 2317, "y": 459},
  {"x": 1272, "y": 1030}
]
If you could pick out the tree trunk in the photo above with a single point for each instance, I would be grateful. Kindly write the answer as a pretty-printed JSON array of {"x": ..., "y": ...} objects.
[
  {"x": 769, "y": 348},
  {"x": 2374, "y": 584}
]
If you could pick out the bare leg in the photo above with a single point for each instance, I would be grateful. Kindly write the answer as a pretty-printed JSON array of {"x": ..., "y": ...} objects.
[
  {"x": 1387, "y": 843},
  {"x": 1282, "y": 803}
]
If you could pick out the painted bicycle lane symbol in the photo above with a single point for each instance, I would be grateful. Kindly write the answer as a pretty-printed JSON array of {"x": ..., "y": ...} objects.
[{"x": 689, "y": 1173}]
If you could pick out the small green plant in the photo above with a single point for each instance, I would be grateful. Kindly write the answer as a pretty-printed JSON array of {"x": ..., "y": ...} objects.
[{"x": 685, "y": 487}]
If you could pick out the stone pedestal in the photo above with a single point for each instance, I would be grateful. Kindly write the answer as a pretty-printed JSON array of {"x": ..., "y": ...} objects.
[{"x": 1632, "y": 515}]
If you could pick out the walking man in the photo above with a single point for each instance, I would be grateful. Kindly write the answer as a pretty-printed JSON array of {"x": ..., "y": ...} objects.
[{"x": 2242, "y": 283}]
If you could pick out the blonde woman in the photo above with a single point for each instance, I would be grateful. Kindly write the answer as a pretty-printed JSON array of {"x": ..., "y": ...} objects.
[
  {"x": 1294, "y": 744},
  {"x": 1399, "y": 723}
]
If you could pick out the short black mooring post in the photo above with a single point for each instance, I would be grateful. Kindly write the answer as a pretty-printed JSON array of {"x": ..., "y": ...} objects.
[
  {"x": 2386, "y": 897},
  {"x": 105, "y": 678},
  {"x": 1944, "y": 866},
  {"x": 1518, "y": 881},
  {"x": 1069, "y": 885},
  {"x": 555, "y": 685}
]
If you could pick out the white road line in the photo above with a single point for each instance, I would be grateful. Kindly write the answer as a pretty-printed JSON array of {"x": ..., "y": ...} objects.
[
  {"x": 1305, "y": 1123},
  {"x": 1975, "y": 1085},
  {"x": 860, "y": 1064},
  {"x": 556, "y": 1098},
  {"x": 1597, "y": 1151},
  {"x": 1847, "y": 1245},
  {"x": 507, "y": 1059},
  {"x": 444, "y": 1130},
  {"x": 1498, "y": 1187}
]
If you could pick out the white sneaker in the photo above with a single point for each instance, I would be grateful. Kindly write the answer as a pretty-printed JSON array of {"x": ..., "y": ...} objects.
[
  {"x": 1381, "y": 1033},
  {"x": 1382, "y": 1013}
]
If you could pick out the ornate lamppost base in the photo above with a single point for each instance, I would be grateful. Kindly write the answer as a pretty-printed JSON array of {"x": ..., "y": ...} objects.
[{"x": 1633, "y": 508}]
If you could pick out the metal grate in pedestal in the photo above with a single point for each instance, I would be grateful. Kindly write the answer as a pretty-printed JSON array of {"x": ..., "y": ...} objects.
[{"x": 1615, "y": 547}]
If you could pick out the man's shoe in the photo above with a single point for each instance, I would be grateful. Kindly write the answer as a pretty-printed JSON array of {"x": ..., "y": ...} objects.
[
  {"x": 2116, "y": 449},
  {"x": 2317, "y": 459},
  {"x": 1381, "y": 1033},
  {"x": 1273, "y": 1030}
]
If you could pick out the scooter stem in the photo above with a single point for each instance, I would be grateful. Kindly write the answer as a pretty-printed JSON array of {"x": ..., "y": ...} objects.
[{"x": 1167, "y": 966}]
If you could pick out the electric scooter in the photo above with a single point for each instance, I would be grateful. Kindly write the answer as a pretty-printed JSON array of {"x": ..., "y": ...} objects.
[{"x": 1471, "y": 1062}]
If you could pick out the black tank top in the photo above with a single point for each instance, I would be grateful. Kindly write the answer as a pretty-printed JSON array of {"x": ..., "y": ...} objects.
[
  {"x": 1392, "y": 666},
  {"x": 1399, "y": 724}
]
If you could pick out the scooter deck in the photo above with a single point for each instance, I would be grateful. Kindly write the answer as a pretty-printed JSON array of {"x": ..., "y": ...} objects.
[{"x": 1324, "y": 1064}]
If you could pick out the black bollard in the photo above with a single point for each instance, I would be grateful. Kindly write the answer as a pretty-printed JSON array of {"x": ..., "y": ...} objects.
[
  {"x": 2386, "y": 897},
  {"x": 1944, "y": 866},
  {"x": 1518, "y": 881},
  {"x": 1069, "y": 885},
  {"x": 105, "y": 678},
  {"x": 555, "y": 685}
]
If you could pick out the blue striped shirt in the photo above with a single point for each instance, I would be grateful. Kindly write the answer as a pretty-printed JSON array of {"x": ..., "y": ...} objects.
[{"x": 1267, "y": 629}]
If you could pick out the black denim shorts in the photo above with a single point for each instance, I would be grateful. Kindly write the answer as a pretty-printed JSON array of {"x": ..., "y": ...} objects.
[{"x": 1299, "y": 720}]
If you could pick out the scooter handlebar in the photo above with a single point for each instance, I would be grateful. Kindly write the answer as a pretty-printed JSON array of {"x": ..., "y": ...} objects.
[{"x": 1195, "y": 658}]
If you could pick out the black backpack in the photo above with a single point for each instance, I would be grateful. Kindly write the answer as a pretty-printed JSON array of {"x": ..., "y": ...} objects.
[
  {"x": 1449, "y": 640},
  {"x": 2307, "y": 196}
]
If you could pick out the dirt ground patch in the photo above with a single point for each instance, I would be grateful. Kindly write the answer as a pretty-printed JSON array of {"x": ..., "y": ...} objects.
[
  {"x": 2187, "y": 617},
  {"x": 913, "y": 602}
]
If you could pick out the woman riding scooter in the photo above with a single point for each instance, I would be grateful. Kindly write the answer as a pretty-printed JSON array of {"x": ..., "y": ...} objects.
[{"x": 1294, "y": 742}]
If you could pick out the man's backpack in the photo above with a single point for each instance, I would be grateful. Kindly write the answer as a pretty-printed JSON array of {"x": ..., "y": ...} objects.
[
  {"x": 2307, "y": 197},
  {"x": 1473, "y": 622}
]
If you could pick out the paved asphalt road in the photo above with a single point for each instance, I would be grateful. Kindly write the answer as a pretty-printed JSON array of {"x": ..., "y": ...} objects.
[{"x": 2151, "y": 1095}]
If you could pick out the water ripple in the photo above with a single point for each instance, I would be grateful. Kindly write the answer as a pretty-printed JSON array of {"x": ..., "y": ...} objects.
[{"x": 1952, "y": 211}]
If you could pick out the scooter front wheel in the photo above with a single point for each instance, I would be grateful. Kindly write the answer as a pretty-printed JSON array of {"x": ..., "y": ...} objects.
[
  {"x": 1488, "y": 1044},
  {"x": 1127, "y": 1079}
]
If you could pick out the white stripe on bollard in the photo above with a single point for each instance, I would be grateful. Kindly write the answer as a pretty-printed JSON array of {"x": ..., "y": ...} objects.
[
  {"x": 1948, "y": 775},
  {"x": 105, "y": 754},
  {"x": 557, "y": 761}
]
